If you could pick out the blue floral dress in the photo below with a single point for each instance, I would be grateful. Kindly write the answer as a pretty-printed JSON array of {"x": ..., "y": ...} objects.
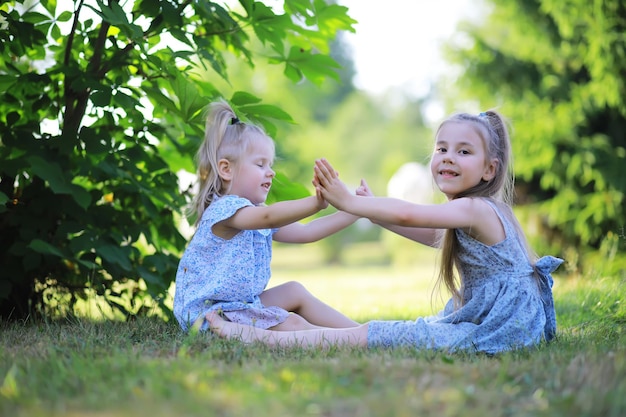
[
  {"x": 216, "y": 274},
  {"x": 504, "y": 306}
]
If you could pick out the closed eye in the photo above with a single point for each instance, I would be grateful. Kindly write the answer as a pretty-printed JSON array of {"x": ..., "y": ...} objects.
[{"x": 264, "y": 163}]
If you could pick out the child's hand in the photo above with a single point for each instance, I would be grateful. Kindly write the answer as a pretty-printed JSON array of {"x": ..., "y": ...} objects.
[
  {"x": 364, "y": 190},
  {"x": 321, "y": 202},
  {"x": 331, "y": 187}
]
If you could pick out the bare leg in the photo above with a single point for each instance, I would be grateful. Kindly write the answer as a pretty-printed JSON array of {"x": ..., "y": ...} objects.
[
  {"x": 312, "y": 338},
  {"x": 294, "y": 322},
  {"x": 294, "y": 297}
]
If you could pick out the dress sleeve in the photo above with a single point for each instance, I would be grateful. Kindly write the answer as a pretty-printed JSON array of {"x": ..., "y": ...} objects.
[
  {"x": 223, "y": 208},
  {"x": 544, "y": 268}
]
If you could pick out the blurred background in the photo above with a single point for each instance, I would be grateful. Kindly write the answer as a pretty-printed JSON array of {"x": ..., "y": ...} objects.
[{"x": 103, "y": 104}]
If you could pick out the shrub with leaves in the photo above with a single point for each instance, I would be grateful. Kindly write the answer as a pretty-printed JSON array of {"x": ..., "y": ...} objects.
[{"x": 100, "y": 108}]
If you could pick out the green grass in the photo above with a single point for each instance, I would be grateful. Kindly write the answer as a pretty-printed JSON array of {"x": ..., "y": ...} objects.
[{"x": 146, "y": 367}]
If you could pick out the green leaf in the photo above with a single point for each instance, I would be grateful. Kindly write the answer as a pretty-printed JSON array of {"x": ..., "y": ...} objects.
[
  {"x": 333, "y": 17},
  {"x": 101, "y": 98},
  {"x": 284, "y": 189},
  {"x": 124, "y": 100},
  {"x": 150, "y": 277},
  {"x": 271, "y": 28},
  {"x": 315, "y": 67},
  {"x": 114, "y": 15},
  {"x": 300, "y": 7},
  {"x": 55, "y": 32},
  {"x": 45, "y": 248},
  {"x": 293, "y": 73},
  {"x": 150, "y": 8},
  {"x": 34, "y": 17},
  {"x": 88, "y": 264},
  {"x": 116, "y": 255},
  {"x": 65, "y": 16},
  {"x": 242, "y": 98},
  {"x": 190, "y": 102},
  {"x": 157, "y": 95},
  {"x": 261, "y": 113},
  {"x": 6, "y": 81},
  {"x": 266, "y": 111},
  {"x": 52, "y": 174}
]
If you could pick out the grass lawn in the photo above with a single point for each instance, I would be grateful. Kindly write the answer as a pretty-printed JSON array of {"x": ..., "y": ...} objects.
[{"x": 146, "y": 367}]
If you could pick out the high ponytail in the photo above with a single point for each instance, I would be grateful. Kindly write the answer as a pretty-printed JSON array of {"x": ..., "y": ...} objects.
[
  {"x": 226, "y": 137},
  {"x": 492, "y": 128}
]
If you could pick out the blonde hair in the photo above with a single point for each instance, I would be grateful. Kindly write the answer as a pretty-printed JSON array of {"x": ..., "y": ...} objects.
[
  {"x": 225, "y": 137},
  {"x": 492, "y": 129}
]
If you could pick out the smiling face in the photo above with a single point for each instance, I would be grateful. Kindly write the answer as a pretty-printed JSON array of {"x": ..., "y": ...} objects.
[
  {"x": 251, "y": 177},
  {"x": 459, "y": 161}
]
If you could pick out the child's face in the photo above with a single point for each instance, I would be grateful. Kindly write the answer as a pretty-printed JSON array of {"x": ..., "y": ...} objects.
[
  {"x": 459, "y": 161},
  {"x": 253, "y": 174}
]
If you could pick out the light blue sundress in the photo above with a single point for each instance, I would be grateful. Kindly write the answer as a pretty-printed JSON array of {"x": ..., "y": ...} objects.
[
  {"x": 504, "y": 307},
  {"x": 216, "y": 274}
]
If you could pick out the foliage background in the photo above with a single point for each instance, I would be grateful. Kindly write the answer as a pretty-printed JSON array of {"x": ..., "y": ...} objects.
[
  {"x": 557, "y": 70},
  {"x": 101, "y": 110}
]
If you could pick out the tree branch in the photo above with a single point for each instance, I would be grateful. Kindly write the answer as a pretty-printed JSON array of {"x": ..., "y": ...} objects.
[{"x": 76, "y": 101}]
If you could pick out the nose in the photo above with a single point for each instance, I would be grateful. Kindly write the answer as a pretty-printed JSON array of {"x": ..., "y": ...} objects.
[
  {"x": 448, "y": 158},
  {"x": 271, "y": 173}
]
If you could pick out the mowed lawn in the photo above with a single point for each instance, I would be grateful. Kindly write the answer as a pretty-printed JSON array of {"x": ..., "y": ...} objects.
[
  {"x": 146, "y": 367},
  {"x": 363, "y": 286}
]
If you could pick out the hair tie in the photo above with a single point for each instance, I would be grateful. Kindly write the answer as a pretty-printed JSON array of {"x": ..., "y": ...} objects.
[
  {"x": 482, "y": 114},
  {"x": 234, "y": 121}
]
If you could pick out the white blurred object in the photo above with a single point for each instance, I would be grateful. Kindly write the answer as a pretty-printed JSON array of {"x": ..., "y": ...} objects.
[{"x": 412, "y": 182}]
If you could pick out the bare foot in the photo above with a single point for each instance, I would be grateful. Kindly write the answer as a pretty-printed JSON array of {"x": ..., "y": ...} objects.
[
  {"x": 229, "y": 330},
  {"x": 312, "y": 338}
]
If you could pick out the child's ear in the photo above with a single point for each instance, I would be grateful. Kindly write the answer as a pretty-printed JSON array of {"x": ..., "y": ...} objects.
[
  {"x": 225, "y": 169},
  {"x": 490, "y": 170}
]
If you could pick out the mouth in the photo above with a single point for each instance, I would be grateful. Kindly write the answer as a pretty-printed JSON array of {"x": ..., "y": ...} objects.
[
  {"x": 447, "y": 173},
  {"x": 266, "y": 186}
]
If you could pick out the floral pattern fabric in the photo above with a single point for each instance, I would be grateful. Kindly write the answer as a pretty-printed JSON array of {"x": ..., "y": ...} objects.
[
  {"x": 228, "y": 275},
  {"x": 504, "y": 306}
]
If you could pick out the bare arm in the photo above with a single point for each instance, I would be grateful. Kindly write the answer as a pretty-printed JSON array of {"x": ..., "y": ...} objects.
[
  {"x": 269, "y": 217},
  {"x": 425, "y": 236},
  {"x": 316, "y": 229},
  {"x": 477, "y": 218},
  {"x": 421, "y": 235}
]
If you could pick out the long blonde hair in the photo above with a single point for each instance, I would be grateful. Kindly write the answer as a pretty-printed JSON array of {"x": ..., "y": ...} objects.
[
  {"x": 492, "y": 129},
  {"x": 225, "y": 137}
]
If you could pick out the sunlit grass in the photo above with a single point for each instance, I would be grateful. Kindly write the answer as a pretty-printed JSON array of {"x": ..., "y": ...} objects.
[
  {"x": 147, "y": 367},
  {"x": 363, "y": 287}
]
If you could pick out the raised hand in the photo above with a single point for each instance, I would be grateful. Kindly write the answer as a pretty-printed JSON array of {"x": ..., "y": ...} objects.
[
  {"x": 321, "y": 201},
  {"x": 364, "y": 190},
  {"x": 329, "y": 184}
]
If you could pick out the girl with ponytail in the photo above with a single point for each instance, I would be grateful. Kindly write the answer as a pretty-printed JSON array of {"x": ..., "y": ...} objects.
[{"x": 226, "y": 265}]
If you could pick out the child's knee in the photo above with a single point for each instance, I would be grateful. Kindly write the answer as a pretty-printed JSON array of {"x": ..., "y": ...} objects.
[{"x": 296, "y": 290}]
